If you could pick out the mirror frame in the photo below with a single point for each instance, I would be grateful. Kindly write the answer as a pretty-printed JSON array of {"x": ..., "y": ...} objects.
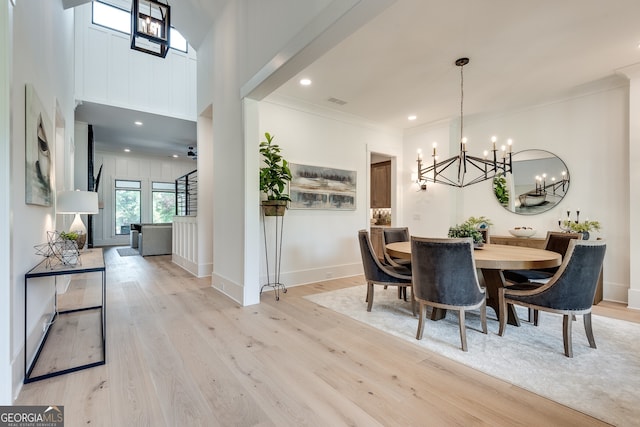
[{"x": 546, "y": 190}]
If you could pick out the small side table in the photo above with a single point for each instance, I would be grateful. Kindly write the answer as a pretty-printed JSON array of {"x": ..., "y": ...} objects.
[{"x": 92, "y": 261}]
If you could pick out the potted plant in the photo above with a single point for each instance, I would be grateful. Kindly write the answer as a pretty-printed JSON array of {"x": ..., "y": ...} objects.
[
  {"x": 274, "y": 177},
  {"x": 69, "y": 247},
  {"x": 583, "y": 227},
  {"x": 467, "y": 230},
  {"x": 473, "y": 228}
]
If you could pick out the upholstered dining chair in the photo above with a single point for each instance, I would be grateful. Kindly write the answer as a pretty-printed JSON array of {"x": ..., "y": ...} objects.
[
  {"x": 444, "y": 277},
  {"x": 569, "y": 292},
  {"x": 378, "y": 274},
  {"x": 393, "y": 235},
  {"x": 556, "y": 241}
]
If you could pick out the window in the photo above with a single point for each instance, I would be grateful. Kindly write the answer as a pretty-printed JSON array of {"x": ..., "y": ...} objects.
[
  {"x": 118, "y": 19},
  {"x": 163, "y": 199},
  {"x": 127, "y": 205}
]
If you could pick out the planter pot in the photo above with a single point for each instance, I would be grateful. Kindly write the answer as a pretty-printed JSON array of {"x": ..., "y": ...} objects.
[{"x": 274, "y": 207}]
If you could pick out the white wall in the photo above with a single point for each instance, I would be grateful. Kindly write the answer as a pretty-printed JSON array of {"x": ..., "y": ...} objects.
[
  {"x": 43, "y": 57},
  {"x": 227, "y": 66},
  {"x": 321, "y": 244},
  {"x": 6, "y": 27},
  {"x": 588, "y": 130},
  {"x": 135, "y": 167},
  {"x": 109, "y": 72}
]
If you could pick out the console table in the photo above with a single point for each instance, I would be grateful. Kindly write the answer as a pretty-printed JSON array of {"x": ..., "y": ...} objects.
[{"x": 92, "y": 261}]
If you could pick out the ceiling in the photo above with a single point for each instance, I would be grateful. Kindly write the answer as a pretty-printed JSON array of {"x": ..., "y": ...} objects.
[
  {"x": 521, "y": 52},
  {"x": 114, "y": 129},
  {"x": 402, "y": 62}
]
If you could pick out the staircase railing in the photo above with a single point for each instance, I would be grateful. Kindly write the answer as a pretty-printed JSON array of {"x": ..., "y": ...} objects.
[{"x": 187, "y": 194}]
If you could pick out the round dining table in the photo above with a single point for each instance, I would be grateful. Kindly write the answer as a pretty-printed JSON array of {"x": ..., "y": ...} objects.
[{"x": 491, "y": 260}]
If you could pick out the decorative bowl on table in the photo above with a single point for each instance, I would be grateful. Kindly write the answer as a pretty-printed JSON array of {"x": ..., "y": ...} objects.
[{"x": 522, "y": 231}]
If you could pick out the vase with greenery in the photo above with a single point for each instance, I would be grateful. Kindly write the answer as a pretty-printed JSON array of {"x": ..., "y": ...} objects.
[
  {"x": 583, "y": 227},
  {"x": 274, "y": 177},
  {"x": 471, "y": 228}
]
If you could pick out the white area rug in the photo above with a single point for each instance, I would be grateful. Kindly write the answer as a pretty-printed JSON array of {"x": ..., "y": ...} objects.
[{"x": 602, "y": 382}]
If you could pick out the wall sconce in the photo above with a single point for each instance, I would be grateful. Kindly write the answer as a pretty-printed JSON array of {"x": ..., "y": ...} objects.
[
  {"x": 422, "y": 184},
  {"x": 150, "y": 25}
]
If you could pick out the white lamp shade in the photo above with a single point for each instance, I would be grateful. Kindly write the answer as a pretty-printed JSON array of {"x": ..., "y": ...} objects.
[{"x": 77, "y": 202}]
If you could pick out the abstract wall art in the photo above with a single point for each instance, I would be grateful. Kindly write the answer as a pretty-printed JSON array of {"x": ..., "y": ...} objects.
[
  {"x": 314, "y": 187},
  {"x": 39, "y": 149}
]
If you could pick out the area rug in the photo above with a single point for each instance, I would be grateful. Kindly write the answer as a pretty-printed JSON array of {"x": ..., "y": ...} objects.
[
  {"x": 127, "y": 251},
  {"x": 602, "y": 382}
]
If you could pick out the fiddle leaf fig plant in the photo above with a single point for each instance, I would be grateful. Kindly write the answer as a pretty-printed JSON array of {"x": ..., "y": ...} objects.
[{"x": 275, "y": 175}]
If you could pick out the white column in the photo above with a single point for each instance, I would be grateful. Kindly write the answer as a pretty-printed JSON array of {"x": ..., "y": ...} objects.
[{"x": 633, "y": 73}]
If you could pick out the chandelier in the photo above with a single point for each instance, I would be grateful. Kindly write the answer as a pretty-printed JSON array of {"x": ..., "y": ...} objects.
[
  {"x": 151, "y": 27},
  {"x": 470, "y": 169}
]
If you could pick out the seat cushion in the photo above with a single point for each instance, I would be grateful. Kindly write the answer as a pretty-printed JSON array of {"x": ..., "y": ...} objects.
[{"x": 524, "y": 276}]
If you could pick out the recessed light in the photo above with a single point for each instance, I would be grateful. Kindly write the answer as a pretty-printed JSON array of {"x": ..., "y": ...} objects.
[
  {"x": 175, "y": 156},
  {"x": 305, "y": 82},
  {"x": 412, "y": 117},
  {"x": 127, "y": 150},
  {"x": 137, "y": 123}
]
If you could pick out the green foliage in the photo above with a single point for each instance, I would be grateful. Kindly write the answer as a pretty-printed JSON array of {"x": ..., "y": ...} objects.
[
  {"x": 466, "y": 230},
  {"x": 275, "y": 175},
  {"x": 476, "y": 222},
  {"x": 500, "y": 189},
  {"x": 164, "y": 206},
  {"x": 581, "y": 227},
  {"x": 71, "y": 235}
]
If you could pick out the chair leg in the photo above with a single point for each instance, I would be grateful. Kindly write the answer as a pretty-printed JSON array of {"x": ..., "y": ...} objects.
[
  {"x": 463, "y": 330},
  {"x": 566, "y": 335},
  {"x": 536, "y": 317},
  {"x": 421, "y": 317},
  {"x": 369, "y": 296},
  {"x": 483, "y": 316},
  {"x": 413, "y": 303},
  {"x": 502, "y": 312},
  {"x": 587, "y": 327}
]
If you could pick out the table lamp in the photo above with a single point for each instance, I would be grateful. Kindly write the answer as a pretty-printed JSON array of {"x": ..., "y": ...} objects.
[{"x": 77, "y": 202}]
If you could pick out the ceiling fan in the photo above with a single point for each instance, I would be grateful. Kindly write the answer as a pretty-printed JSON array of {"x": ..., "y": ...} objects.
[{"x": 192, "y": 154}]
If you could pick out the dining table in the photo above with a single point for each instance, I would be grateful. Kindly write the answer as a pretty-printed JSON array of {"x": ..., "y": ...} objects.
[{"x": 491, "y": 260}]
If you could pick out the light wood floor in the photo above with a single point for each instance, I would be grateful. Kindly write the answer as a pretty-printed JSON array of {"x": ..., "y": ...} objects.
[{"x": 179, "y": 353}]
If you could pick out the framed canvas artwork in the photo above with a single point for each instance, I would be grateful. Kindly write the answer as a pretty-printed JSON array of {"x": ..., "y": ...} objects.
[
  {"x": 314, "y": 187},
  {"x": 38, "y": 147}
]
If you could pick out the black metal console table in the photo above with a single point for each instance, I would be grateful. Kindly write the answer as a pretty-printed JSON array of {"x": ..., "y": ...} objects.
[{"x": 92, "y": 261}]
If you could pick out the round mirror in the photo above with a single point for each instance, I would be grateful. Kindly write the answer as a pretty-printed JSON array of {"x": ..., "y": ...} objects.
[{"x": 539, "y": 180}]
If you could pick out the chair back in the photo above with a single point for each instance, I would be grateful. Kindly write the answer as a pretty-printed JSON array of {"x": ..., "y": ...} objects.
[
  {"x": 374, "y": 271},
  {"x": 559, "y": 242},
  {"x": 444, "y": 271},
  {"x": 395, "y": 234},
  {"x": 574, "y": 284}
]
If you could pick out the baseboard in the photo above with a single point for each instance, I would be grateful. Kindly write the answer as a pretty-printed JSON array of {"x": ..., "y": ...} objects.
[
  {"x": 198, "y": 270},
  {"x": 304, "y": 277},
  {"x": 634, "y": 299},
  {"x": 616, "y": 292},
  {"x": 233, "y": 290}
]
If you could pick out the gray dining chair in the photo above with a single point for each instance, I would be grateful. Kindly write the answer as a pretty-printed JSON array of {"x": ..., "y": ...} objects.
[
  {"x": 569, "y": 292},
  {"x": 393, "y": 235},
  {"x": 376, "y": 273},
  {"x": 556, "y": 241},
  {"x": 444, "y": 277}
]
